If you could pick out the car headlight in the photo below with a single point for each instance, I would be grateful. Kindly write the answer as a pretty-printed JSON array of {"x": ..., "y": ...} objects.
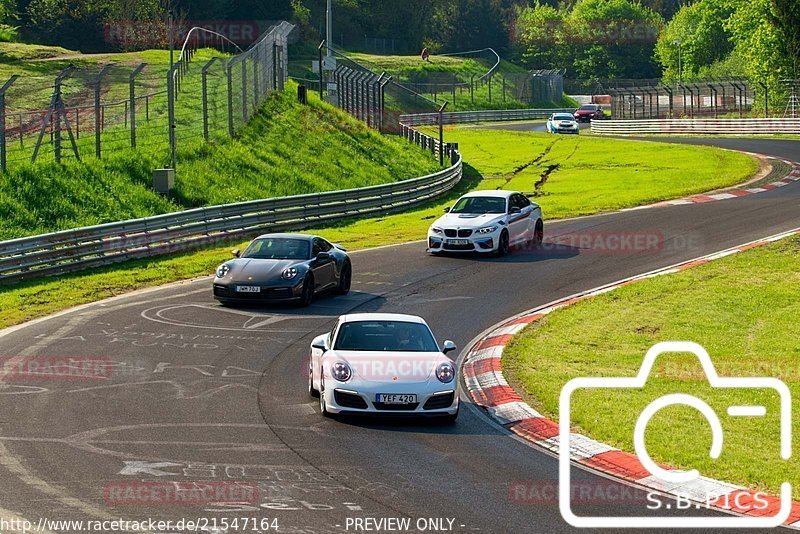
[
  {"x": 223, "y": 270},
  {"x": 341, "y": 371},
  {"x": 289, "y": 273},
  {"x": 436, "y": 230},
  {"x": 446, "y": 373},
  {"x": 487, "y": 230}
]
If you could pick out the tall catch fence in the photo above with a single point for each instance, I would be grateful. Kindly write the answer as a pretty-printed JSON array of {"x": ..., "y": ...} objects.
[
  {"x": 92, "y": 111},
  {"x": 654, "y": 99}
]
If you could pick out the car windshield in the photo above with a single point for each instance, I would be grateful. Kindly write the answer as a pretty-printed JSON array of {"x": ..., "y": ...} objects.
[
  {"x": 384, "y": 336},
  {"x": 589, "y": 107},
  {"x": 480, "y": 205},
  {"x": 278, "y": 249},
  {"x": 562, "y": 117}
]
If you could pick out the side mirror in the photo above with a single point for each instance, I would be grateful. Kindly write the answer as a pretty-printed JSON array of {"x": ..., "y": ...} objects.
[
  {"x": 323, "y": 256},
  {"x": 513, "y": 211},
  {"x": 449, "y": 346},
  {"x": 447, "y": 209},
  {"x": 236, "y": 252},
  {"x": 319, "y": 344}
]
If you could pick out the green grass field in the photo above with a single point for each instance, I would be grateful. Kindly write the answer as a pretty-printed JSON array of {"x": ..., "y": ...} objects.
[
  {"x": 743, "y": 309},
  {"x": 493, "y": 159}
]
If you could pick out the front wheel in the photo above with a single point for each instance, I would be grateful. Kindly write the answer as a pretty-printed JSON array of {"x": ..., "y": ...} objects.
[
  {"x": 503, "y": 245},
  {"x": 323, "y": 408},
  {"x": 307, "y": 293},
  {"x": 311, "y": 390}
]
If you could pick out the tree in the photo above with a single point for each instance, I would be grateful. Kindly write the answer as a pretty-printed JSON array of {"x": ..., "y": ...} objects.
[
  {"x": 612, "y": 39},
  {"x": 537, "y": 36},
  {"x": 697, "y": 36}
]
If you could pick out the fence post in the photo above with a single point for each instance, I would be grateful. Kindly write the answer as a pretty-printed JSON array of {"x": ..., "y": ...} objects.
[
  {"x": 321, "y": 70},
  {"x": 441, "y": 134},
  {"x": 472, "y": 89},
  {"x": 132, "y": 88},
  {"x": 171, "y": 112},
  {"x": 229, "y": 72},
  {"x": 281, "y": 71},
  {"x": 3, "y": 90},
  {"x": 97, "y": 126},
  {"x": 382, "y": 104},
  {"x": 256, "y": 94},
  {"x": 244, "y": 89},
  {"x": 204, "y": 82},
  {"x": 490, "y": 88},
  {"x": 274, "y": 65}
]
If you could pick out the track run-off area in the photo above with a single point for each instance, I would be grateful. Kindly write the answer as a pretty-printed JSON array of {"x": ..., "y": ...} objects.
[{"x": 201, "y": 393}]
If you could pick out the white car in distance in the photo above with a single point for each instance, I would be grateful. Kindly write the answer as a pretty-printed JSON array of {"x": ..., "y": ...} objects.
[
  {"x": 378, "y": 363},
  {"x": 487, "y": 222}
]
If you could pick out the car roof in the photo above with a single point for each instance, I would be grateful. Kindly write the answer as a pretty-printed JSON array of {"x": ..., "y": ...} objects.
[
  {"x": 306, "y": 237},
  {"x": 497, "y": 193},
  {"x": 353, "y": 317}
]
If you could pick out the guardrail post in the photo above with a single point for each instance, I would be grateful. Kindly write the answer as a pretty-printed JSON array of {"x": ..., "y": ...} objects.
[
  {"x": 204, "y": 81},
  {"x": 229, "y": 73},
  {"x": 3, "y": 90},
  {"x": 97, "y": 111},
  {"x": 132, "y": 95}
]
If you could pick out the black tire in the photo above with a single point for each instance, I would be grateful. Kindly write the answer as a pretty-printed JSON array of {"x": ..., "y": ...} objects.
[
  {"x": 322, "y": 408},
  {"x": 307, "y": 295},
  {"x": 345, "y": 279},
  {"x": 503, "y": 245},
  {"x": 538, "y": 234},
  {"x": 450, "y": 419},
  {"x": 311, "y": 391}
]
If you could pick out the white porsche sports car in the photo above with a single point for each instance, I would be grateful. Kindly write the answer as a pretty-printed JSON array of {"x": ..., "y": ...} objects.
[
  {"x": 380, "y": 363},
  {"x": 487, "y": 222}
]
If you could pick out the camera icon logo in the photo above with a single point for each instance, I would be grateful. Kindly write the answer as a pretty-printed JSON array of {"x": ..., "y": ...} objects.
[{"x": 675, "y": 476}]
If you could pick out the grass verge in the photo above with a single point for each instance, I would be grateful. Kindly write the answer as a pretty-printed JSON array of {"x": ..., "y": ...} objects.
[
  {"x": 742, "y": 309},
  {"x": 593, "y": 175}
]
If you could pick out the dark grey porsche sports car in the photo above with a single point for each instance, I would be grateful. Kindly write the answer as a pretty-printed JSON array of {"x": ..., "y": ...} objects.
[{"x": 283, "y": 267}]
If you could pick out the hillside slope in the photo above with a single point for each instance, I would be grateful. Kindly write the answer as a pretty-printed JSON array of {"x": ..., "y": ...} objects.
[{"x": 286, "y": 149}]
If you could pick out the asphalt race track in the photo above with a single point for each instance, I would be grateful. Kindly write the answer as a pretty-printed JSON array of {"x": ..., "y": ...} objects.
[{"x": 204, "y": 393}]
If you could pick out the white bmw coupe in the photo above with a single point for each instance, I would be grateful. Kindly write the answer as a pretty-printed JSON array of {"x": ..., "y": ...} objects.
[
  {"x": 383, "y": 363},
  {"x": 488, "y": 222}
]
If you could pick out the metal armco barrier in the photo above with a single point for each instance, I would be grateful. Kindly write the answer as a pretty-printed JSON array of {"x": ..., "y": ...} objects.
[
  {"x": 458, "y": 117},
  {"x": 698, "y": 126},
  {"x": 105, "y": 244}
]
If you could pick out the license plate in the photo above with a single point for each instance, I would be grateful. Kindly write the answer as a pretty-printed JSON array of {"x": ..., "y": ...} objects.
[
  {"x": 458, "y": 241},
  {"x": 248, "y": 289},
  {"x": 395, "y": 398}
]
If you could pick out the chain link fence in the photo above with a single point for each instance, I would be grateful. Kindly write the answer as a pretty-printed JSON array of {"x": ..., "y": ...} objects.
[{"x": 93, "y": 111}]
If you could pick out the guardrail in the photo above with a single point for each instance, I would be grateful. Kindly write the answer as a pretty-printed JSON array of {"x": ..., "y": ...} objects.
[
  {"x": 105, "y": 244},
  {"x": 458, "y": 117},
  {"x": 698, "y": 126}
]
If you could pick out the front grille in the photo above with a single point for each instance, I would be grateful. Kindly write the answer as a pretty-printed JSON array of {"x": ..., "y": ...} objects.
[
  {"x": 450, "y": 233},
  {"x": 267, "y": 293},
  {"x": 437, "y": 402},
  {"x": 349, "y": 400},
  {"x": 464, "y": 233},
  {"x": 395, "y": 407},
  {"x": 469, "y": 246}
]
